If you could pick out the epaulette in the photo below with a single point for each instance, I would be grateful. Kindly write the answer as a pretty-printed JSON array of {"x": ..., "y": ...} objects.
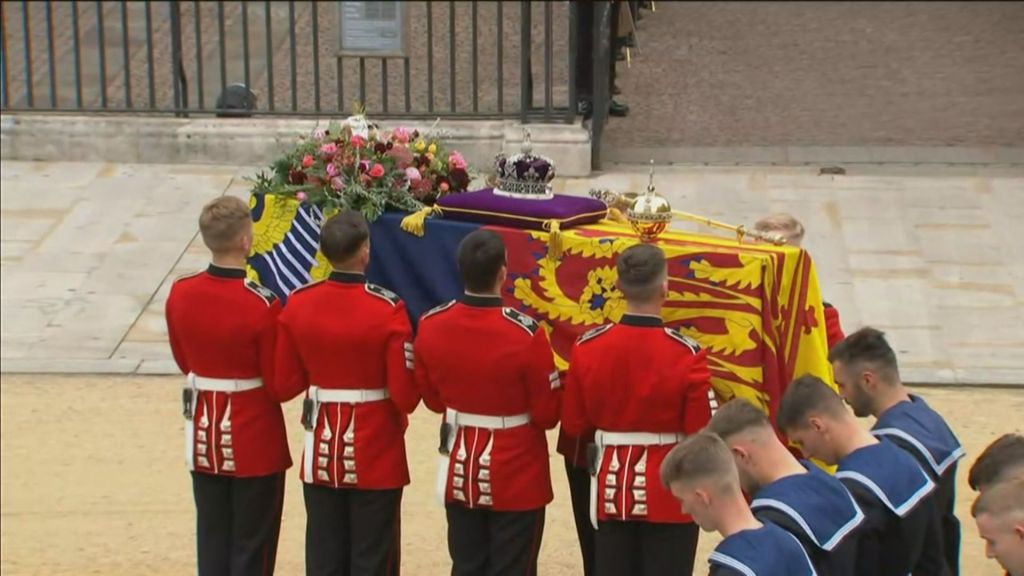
[
  {"x": 383, "y": 293},
  {"x": 262, "y": 291},
  {"x": 305, "y": 286},
  {"x": 189, "y": 275},
  {"x": 593, "y": 333},
  {"x": 690, "y": 343},
  {"x": 437, "y": 309},
  {"x": 521, "y": 320}
]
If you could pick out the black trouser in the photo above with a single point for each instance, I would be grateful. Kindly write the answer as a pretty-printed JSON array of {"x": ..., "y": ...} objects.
[
  {"x": 645, "y": 548},
  {"x": 238, "y": 521},
  {"x": 352, "y": 532},
  {"x": 579, "y": 494},
  {"x": 485, "y": 542},
  {"x": 585, "y": 50}
]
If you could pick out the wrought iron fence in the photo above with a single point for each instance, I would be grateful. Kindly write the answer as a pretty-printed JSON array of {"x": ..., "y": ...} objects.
[{"x": 461, "y": 59}]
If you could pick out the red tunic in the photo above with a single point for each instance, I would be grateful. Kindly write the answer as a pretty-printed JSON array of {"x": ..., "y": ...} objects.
[
  {"x": 343, "y": 333},
  {"x": 221, "y": 325},
  {"x": 479, "y": 358},
  {"x": 636, "y": 376},
  {"x": 833, "y": 329}
]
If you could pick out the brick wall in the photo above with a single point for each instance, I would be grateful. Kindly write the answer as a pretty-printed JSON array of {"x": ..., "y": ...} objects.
[{"x": 832, "y": 74}]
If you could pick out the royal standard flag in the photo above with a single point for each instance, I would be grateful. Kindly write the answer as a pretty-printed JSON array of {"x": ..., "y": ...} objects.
[{"x": 756, "y": 308}]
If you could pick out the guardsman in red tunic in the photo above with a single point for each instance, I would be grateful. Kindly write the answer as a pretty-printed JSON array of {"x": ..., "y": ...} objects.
[
  {"x": 574, "y": 452},
  {"x": 639, "y": 387},
  {"x": 221, "y": 328},
  {"x": 793, "y": 231},
  {"x": 348, "y": 345},
  {"x": 491, "y": 372}
]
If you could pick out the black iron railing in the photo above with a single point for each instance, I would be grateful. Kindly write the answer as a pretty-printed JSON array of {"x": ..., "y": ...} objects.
[{"x": 179, "y": 57}]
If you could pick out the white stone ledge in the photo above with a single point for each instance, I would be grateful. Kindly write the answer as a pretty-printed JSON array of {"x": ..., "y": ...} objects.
[{"x": 257, "y": 141}]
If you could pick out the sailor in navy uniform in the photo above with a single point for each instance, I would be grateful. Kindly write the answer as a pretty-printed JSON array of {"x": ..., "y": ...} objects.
[
  {"x": 866, "y": 371},
  {"x": 902, "y": 530},
  {"x": 765, "y": 551},
  {"x": 915, "y": 427},
  {"x": 795, "y": 495},
  {"x": 819, "y": 511},
  {"x": 701, "y": 473}
]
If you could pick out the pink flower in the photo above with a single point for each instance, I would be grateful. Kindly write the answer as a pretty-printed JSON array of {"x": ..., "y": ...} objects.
[
  {"x": 337, "y": 183},
  {"x": 307, "y": 161},
  {"x": 358, "y": 141},
  {"x": 401, "y": 135},
  {"x": 332, "y": 169},
  {"x": 329, "y": 148},
  {"x": 413, "y": 175},
  {"x": 455, "y": 160},
  {"x": 377, "y": 171},
  {"x": 301, "y": 196}
]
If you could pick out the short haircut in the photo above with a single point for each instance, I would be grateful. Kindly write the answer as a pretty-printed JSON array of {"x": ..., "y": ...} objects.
[
  {"x": 1000, "y": 458},
  {"x": 784, "y": 224},
  {"x": 805, "y": 396},
  {"x": 642, "y": 269},
  {"x": 735, "y": 416},
  {"x": 867, "y": 346},
  {"x": 481, "y": 257},
  {"x": 700, "y": 458},
  {"x": 223, "y": 221},
  {"x": 1002, "y": 499},
  {"x": 342, "y": 235}
]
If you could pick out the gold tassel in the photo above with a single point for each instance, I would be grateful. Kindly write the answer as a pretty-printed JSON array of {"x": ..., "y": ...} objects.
[
  {"x": 416, "y": 223},
  {"x": 616, "y": 216},
  {"x": 554, "y": 239}
]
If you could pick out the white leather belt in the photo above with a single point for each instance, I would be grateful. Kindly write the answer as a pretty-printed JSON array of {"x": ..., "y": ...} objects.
[
  {"x": 348, "y": 396},
  {"x": 224, "y": 384},
  {"x": 195, "y": 383},
  {"x": 456, "y": 419},
  {"x": 603, "y": 438}
]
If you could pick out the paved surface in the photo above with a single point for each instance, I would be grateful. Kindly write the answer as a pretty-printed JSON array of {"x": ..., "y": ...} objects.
[{"x": 931, "y": 256}]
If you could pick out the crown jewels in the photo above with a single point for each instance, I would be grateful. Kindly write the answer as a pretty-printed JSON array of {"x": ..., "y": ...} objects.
[
  {"x": 650, "y": 214},
  {"x": 524, "y": 175}
]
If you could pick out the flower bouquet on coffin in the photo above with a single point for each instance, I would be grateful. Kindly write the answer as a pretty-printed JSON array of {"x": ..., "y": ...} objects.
[{"x": 356, "y": 165}]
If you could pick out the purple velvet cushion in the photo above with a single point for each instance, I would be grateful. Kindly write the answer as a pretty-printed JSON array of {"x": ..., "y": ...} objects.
[{"x": 486, "y": 207}]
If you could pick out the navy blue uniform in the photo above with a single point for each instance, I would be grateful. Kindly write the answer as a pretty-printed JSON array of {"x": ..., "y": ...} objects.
[
  {"x": 918, "y": 429},
  {"x": 765, "y": 551},
  {"x": 902, "y": 531},
  {"x": 820, "y": 512}
]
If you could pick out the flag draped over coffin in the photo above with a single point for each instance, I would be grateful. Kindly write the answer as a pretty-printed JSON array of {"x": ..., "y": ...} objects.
[{"x": 757, "y": 309}]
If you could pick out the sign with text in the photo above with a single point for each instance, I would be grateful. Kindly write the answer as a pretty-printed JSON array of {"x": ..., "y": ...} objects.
[{"x": 375, "y": 29}]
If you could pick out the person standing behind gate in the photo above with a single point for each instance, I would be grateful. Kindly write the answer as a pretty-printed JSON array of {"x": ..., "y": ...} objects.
[
  {"x": 491, "y": 371},
  {"x": 638, "y": 386},
  {"x": 868, "y": 377},
  {"x": 221, "y": 330},
  {"x": 348, "y": 344}
]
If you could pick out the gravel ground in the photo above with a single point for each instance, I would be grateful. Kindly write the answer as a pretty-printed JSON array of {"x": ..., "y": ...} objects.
[{"x": 92, "y": 481}]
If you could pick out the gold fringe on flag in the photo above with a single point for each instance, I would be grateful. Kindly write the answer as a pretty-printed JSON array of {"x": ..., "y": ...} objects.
[
  {"x": 416, "y": 223},
  {"x": 553, "y": 228}
]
